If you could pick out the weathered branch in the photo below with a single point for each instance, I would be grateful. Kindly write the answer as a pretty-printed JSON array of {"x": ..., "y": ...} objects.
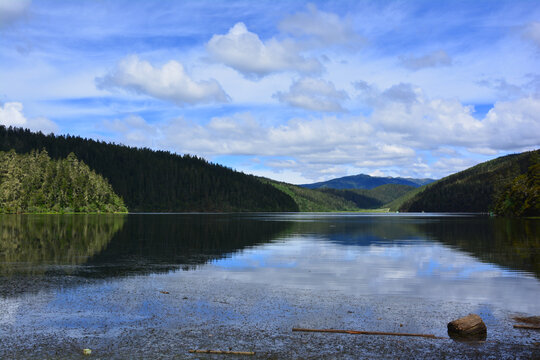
[
  {"x": 429, "y": 336},
  {"x": 223, "y": 352},
  {"x": 529, "y": 327}
]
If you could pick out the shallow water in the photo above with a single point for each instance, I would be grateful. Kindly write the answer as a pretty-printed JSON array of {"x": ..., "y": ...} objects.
[{"x": 158, "y": 285}]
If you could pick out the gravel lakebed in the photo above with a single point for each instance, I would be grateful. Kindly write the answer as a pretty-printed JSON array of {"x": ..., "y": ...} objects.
[{"x": 162, "y": 316}]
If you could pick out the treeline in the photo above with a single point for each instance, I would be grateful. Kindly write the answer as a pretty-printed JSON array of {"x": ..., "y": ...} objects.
[
  {"x": 498, "y": 185},
  {"x": 34, "y": 183},
  {"x": 150, "y": 180}
]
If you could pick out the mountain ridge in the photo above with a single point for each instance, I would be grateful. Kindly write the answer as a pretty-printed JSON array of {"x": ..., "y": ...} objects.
[{"x": 363, "y": 181}]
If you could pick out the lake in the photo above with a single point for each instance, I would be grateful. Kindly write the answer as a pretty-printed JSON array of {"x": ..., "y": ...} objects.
[{"x": 159, "y": 285}]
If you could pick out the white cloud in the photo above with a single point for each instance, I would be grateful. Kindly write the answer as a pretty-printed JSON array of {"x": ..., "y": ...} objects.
[
  {"x": 432, "y": 124},
  {"x": 313, "y": 94},
  {"x": 322, "y": 28},
  {"x": 170, "y": 82},
  {"x": 405, "y": 132},
  {"x": 434, "y": 59},
  {"x": 452, "y": 164},
  {"x": 532, "y": 33},
  {"x": 11, "y": 114},
  {"x": 514, "y": 125},
  {"x": 12, "y": 10},
  {"x": 245, "y": 52},
  {"x": 135, "y": 131}
]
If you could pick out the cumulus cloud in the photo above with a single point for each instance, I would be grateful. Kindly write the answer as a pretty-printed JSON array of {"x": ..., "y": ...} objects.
[
  {"x": 11, "y": 114},
  {"x": 245, "y": 52},
  {"x": 403, "y": 126},
  {"x": 434, "y": 123},
  {"x": 513, "y": 124},
  {"x": 313, "y": 94},
  {"x": 434, "y": 59},
  {"x": 322, "y": 28},
  {"x": 135, "y": 131},
  {"x": 532, "y": 33},
  {"x": 243, "y": 134},
  {"x": 170, "y": 82},
  {"x": 12, "y": 10}
]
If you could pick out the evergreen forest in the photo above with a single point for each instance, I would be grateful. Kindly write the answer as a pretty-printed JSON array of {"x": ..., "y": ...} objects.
[
  {"x": 506, "y": 186},
  {"x": 34, "y": 183},
  {"x": 156, "y": 181}
]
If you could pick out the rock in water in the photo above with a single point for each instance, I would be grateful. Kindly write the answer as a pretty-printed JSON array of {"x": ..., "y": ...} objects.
[{"x": 470, "y": 327}]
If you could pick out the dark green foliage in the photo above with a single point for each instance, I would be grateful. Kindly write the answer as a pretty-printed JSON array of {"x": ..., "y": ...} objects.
[
  {"x": 326, "y": 199},
  {"x": 363, "y": 181},
  {"x": 521, "y": 197},
  {"x": 375, "y": 198},
  {"x": 361, "y": 201},
  {"x": 473, "y": 190},
  {"x": 309, "y": 200},
  {"x": 388, "y": 192},
  {"x": 150, "y": 180},
  {"x": 396, "y": 204},
  {"x": 33, "y": 183}
]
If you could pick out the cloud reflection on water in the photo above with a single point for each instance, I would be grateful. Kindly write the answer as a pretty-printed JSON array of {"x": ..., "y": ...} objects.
[{"x": 419, "y": 268}]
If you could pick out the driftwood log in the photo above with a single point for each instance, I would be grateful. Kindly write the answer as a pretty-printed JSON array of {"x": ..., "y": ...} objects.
[
  {"x": 468, "y": 328},
  {"x": 429, "y": 336},
  {"x": 533, "y": 320},
  {"x": 222, "y": 352},
  {"x": 528, "y": 327}
]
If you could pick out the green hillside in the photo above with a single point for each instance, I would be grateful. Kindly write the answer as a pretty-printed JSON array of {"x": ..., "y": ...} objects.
[
  {"x": 396, "y": 204},
  {"x": 319, "y": 200},
  {"x": 34, "y": 183},
  {"x": 309, "y": 200},
  {"x": 157, "y": 181},
  {"x": 375, "y": 198},
  {"x": 386, "y": 193},
  {"x": 480, "y": 188}
]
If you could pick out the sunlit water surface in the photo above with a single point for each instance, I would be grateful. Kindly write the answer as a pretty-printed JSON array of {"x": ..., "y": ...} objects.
[{"x": 161, "y": 284}]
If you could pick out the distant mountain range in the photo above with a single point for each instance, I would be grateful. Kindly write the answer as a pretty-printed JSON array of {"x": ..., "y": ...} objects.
[{"x": 363, "y": 181}]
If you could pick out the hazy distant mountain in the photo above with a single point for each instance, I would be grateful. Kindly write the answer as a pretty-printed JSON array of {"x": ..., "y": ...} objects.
[{"x": 363, "y": 181}]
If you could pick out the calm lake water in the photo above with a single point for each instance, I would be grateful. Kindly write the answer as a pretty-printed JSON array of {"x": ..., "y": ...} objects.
[{"x": 158, "y": 285}]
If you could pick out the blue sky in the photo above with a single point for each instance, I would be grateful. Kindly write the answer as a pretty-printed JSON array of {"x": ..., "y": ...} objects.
[{"x": 292, "y": 90}]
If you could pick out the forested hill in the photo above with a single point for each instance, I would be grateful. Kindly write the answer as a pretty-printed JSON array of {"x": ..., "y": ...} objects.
[
  {"x": 34, "y": 183},
  {"x": 509, "y": 185},
  {"x": 150, "y": 180},
  {"x": 363, "y": 181}
]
